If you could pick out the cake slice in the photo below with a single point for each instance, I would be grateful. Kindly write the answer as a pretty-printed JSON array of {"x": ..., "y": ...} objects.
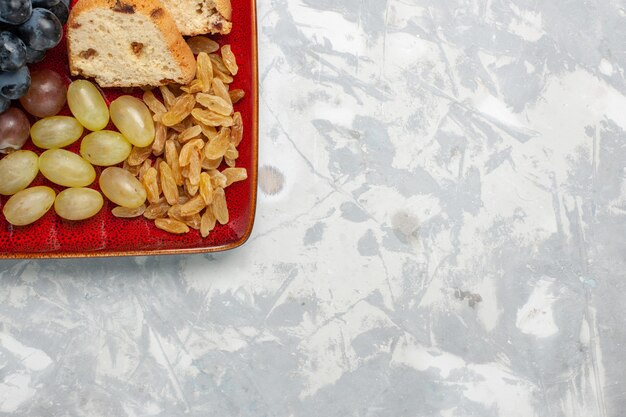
[
  {"x": 127, "y": 43},
  {"x": 197, "y": 17}
]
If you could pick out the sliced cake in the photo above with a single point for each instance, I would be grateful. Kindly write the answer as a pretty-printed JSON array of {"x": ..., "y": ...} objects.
[
  {"x": 196, "y": 17},
  {"x": 127, "y": 43}
]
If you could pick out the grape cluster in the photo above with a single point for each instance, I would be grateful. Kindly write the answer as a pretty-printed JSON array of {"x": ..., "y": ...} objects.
[{"x": 28, "y": 28}]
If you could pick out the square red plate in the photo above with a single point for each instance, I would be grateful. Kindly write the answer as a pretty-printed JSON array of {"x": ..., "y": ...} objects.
[{"x": 106, "y": 235}]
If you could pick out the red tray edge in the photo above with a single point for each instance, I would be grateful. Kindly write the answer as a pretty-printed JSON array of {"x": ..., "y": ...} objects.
[{"x": 187, "y": 251}]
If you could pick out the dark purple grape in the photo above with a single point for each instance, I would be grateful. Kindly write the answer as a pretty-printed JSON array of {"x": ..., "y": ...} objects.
[
  {"x": 61, "y": 11},
  {"x": 15, "y": 12},
  {"x": 66, "y": 2},
  {"x": 47, "y": 94},
  {"x": 46, "y": 4},
  {"x": 12, "y": 52},
  {"x": 42, "y": 31},
  {"x": 5, "y": 103},
  {"x": 14, "y": 129},
  {"x": 14, "y": 85},
  {"x": 32, "y": 56}
]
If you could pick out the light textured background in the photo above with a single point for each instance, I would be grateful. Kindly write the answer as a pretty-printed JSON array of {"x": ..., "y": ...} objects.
[{"x": 441, "y": 232}]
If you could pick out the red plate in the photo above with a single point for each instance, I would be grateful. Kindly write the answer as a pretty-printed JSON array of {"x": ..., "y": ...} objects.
[{"x": 106, "y": 235}]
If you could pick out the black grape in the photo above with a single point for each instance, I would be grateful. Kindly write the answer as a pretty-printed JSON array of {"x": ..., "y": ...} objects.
[
  {"x": 14, "y": 85},
  {"x": 32, "y": 56},
  {"x": 42, "y": 31},
  {"x": 61, "y": 11},
  {"x": 15, "y": 12},
  {"x": 46, "y": 4},
  {"x": 12, "y": 52}
]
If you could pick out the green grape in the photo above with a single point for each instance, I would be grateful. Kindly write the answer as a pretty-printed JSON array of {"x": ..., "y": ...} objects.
[
  {"x": 88, "y": 105},
  {"x": 122, "y": 188},
  {"x": 66, "y": 168},
  {"x": 78, "y": 203},
  {"x": 132, "y": 117},
  {"x": 105, "y": 148},
  {"x": 29, "y": 205},
  {"x": 17, "y": 171},
  {"x": 56, "y": 132}
]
